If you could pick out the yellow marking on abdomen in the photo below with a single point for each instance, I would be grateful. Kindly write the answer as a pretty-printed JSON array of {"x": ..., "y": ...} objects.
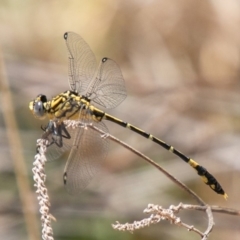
[
  {"x": 171, "y": 149},
  {"x": 192, "y": 163}
]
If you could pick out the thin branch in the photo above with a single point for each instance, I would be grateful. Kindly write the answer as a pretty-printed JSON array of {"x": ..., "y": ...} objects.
[
  {"x": 217, "y": 209},
  {"x": 157, "y": 214},
  {"x": 160, "y": 214},
  {"x": 208, "y": 211}
]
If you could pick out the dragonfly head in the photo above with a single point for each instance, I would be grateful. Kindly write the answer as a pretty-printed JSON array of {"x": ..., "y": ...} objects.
[{"x": 37, "y": 106}]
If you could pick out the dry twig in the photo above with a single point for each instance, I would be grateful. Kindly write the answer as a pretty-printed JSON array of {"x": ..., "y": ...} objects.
[
  {"x": 157, "y": 214},
  {"x": 39, "y": 177}
]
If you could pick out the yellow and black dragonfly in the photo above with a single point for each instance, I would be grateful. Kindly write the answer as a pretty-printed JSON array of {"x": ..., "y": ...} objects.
[{"x": 89, "y": 83}]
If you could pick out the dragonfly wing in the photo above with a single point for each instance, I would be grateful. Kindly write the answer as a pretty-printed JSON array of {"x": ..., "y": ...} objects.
[
  {"x": 87, "y": 153},
  {"x": 108, "y": 89},
  {"x": 81, "y": 60}
]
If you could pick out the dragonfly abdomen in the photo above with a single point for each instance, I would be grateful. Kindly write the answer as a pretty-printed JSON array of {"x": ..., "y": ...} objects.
[{"x": 207, "y": 178}]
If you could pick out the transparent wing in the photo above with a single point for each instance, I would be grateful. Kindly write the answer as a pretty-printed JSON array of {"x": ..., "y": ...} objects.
[
  {"x": 108, "y": 89},
  {"x": 54, "y": 152},
  {"x": 81, "y": 60},
  {"x": 88, "y": 152}
]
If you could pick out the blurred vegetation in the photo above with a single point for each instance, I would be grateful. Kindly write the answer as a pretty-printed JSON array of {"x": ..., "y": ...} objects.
[{"x": 181, "y": 63}]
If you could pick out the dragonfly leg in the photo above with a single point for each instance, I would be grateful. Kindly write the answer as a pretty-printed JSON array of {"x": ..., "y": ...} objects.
[
  {"x": 65, "y": 131},
  {"x": 57, "y": 132}
]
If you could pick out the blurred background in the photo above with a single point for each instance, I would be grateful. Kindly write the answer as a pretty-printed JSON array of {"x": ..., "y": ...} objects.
[{"x": 181, "y": 64}]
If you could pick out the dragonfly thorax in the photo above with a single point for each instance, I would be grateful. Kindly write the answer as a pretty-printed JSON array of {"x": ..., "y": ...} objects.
[{"x": 63, "y": 106}]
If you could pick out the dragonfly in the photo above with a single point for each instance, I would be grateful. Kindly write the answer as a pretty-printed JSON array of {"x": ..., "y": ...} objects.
[{"x": 90, "y": 84}]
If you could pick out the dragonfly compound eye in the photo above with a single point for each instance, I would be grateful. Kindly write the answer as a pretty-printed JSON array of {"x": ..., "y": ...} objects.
[
  {"x": 38, "y": 109},
  {"x": 37, "y": 106}
]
